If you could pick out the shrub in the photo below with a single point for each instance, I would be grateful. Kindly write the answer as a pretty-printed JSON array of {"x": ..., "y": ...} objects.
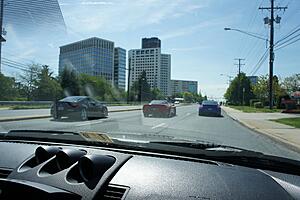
[
  {"x": 252, "y": 101},
  {"x": 258, "y": 105}
]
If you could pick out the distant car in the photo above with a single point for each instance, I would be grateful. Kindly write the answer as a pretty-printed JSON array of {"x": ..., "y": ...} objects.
[
  {"x": 210, "y": 108},
  {"x": 161, "y": 108},
  {"x": 177, "y": 102},
  {"x": 82, "y": 107}
]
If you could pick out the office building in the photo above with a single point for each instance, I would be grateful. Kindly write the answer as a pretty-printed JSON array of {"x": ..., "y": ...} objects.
[
  {"x": 93, "y": 56},
  {"x": 156, "y": 65},
  {"x": 120, "y": 68},
  {"x": 152, "y": 42},
  {"x": 180, "y": 86}
]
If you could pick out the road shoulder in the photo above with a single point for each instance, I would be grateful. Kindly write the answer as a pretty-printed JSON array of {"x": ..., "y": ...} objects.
[{"x": 260, "y": 123}]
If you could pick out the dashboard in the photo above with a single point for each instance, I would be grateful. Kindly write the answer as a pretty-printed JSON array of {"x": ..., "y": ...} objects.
[{"x": 33, "y": 170}]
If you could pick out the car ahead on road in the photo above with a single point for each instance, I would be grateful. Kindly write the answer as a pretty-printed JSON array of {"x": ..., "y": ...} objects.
[
  {"x": 161, "y": 108},
  {"x": 209, "y": 108},
  {"x": 82, "y": 107}
]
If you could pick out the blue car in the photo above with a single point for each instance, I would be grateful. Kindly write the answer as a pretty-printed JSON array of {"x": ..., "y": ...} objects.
[{"x": 209, "y": 108}]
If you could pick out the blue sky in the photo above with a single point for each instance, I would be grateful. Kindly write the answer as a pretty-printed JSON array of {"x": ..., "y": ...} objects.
[{"x": 192, "y": 31}]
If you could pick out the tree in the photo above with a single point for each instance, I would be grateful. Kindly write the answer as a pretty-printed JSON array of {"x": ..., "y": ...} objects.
[
  {"x": 69, "y": 82},
  {"x": 95, "y": 86},
  {"x": 239, "y": 90},
  {"x": 292, "y": 84},
  {"x": 8, "y": 88},
  {"x": 47, "y": 87},
  {"x": 261, "y": 89},
  {"x": 156, "y": 94},
  {"x": 141, "y": 88},
  {"x": 188, "y": 97},
  {"x": 28, "y": 80}
]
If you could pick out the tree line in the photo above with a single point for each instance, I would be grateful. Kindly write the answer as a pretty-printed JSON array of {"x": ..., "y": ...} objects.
[
  {"x": 38, "y": 83},
  {"x": 242, "y": 92}
]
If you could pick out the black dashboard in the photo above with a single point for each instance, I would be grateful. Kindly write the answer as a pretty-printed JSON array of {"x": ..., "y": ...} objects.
[{"x": 60, "y": 171}]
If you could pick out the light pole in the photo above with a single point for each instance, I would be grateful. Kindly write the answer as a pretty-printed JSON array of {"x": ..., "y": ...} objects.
[{"x": 248, "y": 33}]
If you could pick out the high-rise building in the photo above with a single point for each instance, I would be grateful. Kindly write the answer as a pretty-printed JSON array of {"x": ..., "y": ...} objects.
[
  {"x": 93, "y": 56},
  {"x": 152, "y": 42},
  {"x": 180, "y": 86},
  {"x": 120, "y": 68},
  {"x": 156, "y": 65}
]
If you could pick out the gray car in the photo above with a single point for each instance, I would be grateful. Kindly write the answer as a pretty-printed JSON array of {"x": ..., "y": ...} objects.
[{"x": 82, "y": 107}]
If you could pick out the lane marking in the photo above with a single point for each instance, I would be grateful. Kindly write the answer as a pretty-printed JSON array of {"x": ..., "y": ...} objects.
[
  {"x": 159, "y": 125},
  {"x": 187, "y": 114},
  {"x": 89, "y": 123}
]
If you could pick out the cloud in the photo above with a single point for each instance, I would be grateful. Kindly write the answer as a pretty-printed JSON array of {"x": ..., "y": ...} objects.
[
  {"x": 123, "y": 15},
  {"x": 189, "y": 29},
  {"x": 189, "y": 48}
]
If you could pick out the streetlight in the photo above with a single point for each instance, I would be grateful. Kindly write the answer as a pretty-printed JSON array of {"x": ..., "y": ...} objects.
[{"x": 248, "y": 33}]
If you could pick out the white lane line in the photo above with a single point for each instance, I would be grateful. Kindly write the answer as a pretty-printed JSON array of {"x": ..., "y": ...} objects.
[
  {"x": 89, "y": 123},
  {"x": 187, "y": 114},
  {"x": 159, "y": 125}
]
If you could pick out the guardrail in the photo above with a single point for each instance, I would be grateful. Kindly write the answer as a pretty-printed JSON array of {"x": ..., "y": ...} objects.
[{"x": 10, "y": 103}]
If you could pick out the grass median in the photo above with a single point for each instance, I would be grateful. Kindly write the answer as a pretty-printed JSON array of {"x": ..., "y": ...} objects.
[
  {"x": 248, "y": 109},
  {"x": 295, "y": 122}
]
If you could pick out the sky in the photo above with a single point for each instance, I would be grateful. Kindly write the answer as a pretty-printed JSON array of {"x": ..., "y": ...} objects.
[{"x": 192, "y": 31}]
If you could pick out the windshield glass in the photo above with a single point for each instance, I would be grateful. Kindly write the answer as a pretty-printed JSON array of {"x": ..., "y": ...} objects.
[{"x": 134, "y": 55}]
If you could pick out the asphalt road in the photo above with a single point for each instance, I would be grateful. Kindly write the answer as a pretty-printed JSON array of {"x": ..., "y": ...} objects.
[{"x": 187, "y": 124}]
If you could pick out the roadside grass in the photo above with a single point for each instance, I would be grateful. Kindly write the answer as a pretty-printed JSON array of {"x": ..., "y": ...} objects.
[
  {"x": 248, "y": 109},
  {"x": 21, "y": 107},
  {"x": 295, "y": 122}
]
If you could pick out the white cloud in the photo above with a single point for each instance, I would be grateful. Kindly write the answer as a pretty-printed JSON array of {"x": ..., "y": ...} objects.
[{"x": 123, "y": 15}]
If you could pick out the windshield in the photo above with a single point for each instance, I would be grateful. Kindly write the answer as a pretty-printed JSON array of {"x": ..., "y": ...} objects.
[{"x": 153, "y": 64}]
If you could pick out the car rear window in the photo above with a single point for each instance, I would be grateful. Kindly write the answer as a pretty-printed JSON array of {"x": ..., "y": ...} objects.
[
  {"x": 210, "y": 103},
  {"x": 158, "y": 102},
  {"x": 73, "y": 99}
]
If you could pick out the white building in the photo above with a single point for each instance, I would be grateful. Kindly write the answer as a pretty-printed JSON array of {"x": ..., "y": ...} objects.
[
  {"x": 156, "y": 65},
  {"x": 180, "y": 86}
]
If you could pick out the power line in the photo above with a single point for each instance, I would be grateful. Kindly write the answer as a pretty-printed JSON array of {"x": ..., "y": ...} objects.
[
  {"x": 260, "y": 61},
  {"x": 292, "y": 32},
  {"x": 287, "y": 44},
  {"x": 287, "y": 41}
]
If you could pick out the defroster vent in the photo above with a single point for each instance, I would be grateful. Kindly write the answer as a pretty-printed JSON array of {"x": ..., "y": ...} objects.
[
  {"x": 115, "y": 192},
  {"x": 4, "y": 172}
]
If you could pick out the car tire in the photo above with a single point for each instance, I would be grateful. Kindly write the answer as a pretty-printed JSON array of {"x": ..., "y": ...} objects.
[
  {"x": 83, "y": 115},
  {"x": 174, "y": 114},
  {"x": 146, "y": 115},
  {"x": 105, "y": 112},
  {"x": 57, "y": 117}
]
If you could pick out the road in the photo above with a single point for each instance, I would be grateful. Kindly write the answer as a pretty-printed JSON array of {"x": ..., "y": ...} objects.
[{"x": 187, "y": 124}]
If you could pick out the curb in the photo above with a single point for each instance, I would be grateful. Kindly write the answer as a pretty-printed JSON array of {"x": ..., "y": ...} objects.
[
  {"x": 275, "y": 138},
  {"x": 48, "y": 116}
]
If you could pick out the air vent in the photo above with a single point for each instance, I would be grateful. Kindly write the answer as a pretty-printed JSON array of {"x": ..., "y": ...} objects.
[
  {"x": 4, "y": 173},
  {"x": 114, "y": 192}
]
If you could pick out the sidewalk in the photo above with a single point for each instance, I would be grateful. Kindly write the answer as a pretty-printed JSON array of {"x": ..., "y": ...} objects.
[{"x": 260, "y": 123}]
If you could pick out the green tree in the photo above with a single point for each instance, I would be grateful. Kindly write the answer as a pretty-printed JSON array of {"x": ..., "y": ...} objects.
[
  {"x": 96, "y": 86},
  {"x": 261, "y": 89},
  {"x": 141, "y": 89},
  {"x": 188, "y": 97},
  {"x": 69, "y": 82},
  {"x": 47, "y": 87},
  {"x": 291, "y": 83},
  {"x": 156, "y": 94},
  {"x": 29, "y": 80},
  {"x": 8, "y": 88},
  {"x": 239, "y": 89}
]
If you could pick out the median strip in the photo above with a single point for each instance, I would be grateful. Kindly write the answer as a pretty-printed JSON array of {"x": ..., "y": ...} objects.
[{"x": 19, "y": 118}]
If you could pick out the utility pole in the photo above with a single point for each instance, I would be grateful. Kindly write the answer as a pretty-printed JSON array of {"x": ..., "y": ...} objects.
[
  {"x": 128, "y": 81},
  {"x": 271, "y": 53},
  {"x": 239, "y": 77},
  {"x": 1, "y": 29}
]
